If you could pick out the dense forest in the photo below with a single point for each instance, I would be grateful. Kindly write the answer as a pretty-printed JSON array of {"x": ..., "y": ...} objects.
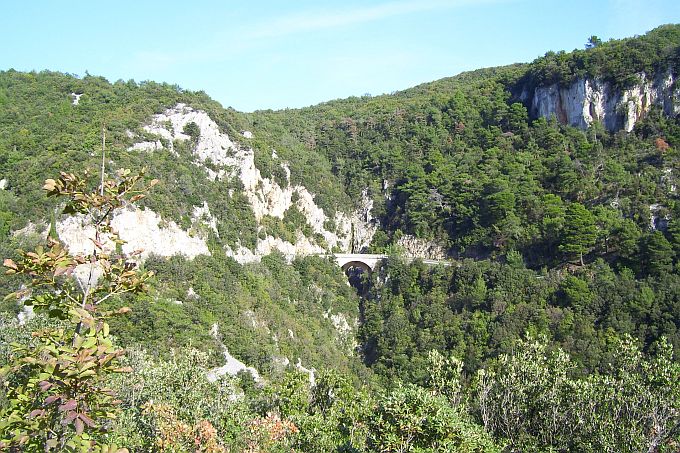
[{"x": 556, "y": 326}]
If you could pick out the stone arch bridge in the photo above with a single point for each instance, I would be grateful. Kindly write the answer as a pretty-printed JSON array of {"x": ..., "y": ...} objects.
[{"x": 368, "y": 262}]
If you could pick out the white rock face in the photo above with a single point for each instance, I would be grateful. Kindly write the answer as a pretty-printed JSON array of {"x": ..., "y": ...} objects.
[
  {"x": 140, "y": 228},
  {"x": 420, "y": 248},
  {"x": 76, "y": 98},
  {"x": 658, "y": 217},
  {"x": 311, "y": 373},
  {"x": 32, "y": 229},
  {"x": 147, "y": 146},
  {"x": 588, "y": 100},
  {"x": 232, "y": 365},
  {"x": 202, "y": 215},
  {"x": 192, "y": 294},
  {"x": 87, "y": 275},
  {"x": 3, "y": 184},
  {"x": 265, "y": 196},
  {"x": 26, "y": 314},
  {"x": 364, "y": 224}
]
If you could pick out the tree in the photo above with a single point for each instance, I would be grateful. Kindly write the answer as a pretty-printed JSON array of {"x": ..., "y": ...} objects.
[
  {"x": 593, "y": 42},
  {"x": 531, "y": 399},
  {"x": 58, "y": 397},
  {"x": 579, "y": 233},
  {"x": 657, "y": 254},
  {"x": 411, "y": 418}
]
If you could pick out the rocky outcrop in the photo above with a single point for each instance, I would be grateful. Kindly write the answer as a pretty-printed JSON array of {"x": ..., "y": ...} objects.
[
  {"x": 266, "y": 196},
  {"x": 587, "y": 100},
  {"x": 232, "y": 366},
  {"x": 421, "y": 248},
  {"x": 141, "y": 229}
]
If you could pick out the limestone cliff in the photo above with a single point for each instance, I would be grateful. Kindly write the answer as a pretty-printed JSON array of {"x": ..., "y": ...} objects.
[
  {"x": 592, "y": 99},
  {"x": 221, "y": 159}
]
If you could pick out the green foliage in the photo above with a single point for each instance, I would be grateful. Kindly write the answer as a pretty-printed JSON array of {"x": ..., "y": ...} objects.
[
  {"x": 58, "y": 398},
  {"x": 159, "y": 393},
  {"x": 579, "y": 232},
  {"x": 192, "y": 130},
  {"x": 409, "y": 418},
  {"x": 657, "y": 254},
  {"x": 457, "y": 162},
  {"x": 615, "y": 60},
  {"x": 530, "y": 399}
]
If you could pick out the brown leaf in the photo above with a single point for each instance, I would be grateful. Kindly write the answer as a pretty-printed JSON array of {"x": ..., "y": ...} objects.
[
  {"x": 52, "y": 398},
  {"x": 45, "y": 385},
  {"x": 10, "y": 264},
  {"x": 36, "y": 412},
  {"x": 123, "y": 310},
  {"x": 88, "y": 421},
  {"x": 70, "y": 416},
  {"x": 61, "y": 270},
  {"x": 68, "y": 405},
  {"x": 99, "y": 245},
  {"x": 79, "y": 426},
  {"x": 49, "y": 185}
]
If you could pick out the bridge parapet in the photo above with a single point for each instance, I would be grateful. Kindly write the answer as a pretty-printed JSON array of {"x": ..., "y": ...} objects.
[{"x": 369, "y": 262}]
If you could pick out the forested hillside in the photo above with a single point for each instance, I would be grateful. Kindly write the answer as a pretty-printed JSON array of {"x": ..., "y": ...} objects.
[{"x": 556, "y": 326}]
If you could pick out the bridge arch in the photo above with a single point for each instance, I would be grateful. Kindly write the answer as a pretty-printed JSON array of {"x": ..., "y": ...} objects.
[{"x": 356, "y": 264}]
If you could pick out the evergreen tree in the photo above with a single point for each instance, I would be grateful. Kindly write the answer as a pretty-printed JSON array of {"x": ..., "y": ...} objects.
[
  {"x": 580, "y": 232},
  {"x": 657, "y": 254}
]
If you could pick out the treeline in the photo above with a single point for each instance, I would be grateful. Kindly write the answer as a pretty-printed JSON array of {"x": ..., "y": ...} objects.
[{"x": 616, "y": 61}]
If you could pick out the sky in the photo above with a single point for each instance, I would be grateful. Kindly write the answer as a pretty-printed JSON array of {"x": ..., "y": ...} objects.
[{"x": 286, "y": 54}]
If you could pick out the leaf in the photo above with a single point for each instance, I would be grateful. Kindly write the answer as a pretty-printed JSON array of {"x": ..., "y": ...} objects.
[
  {"x": 88, "y": 421},
  {"x": 52, "y": 398},
  {"x": 50, "y": 185},
  {"x": 125, "y": 369},
  {"x": 79, "y": 426},
  {"x": 99, "y": 245},
  {"x": 61, "y": 270},
  {"x": 70, "y": 416},
  {"x": 57, "y": 313},
  {"x": 89, "y": 342},
  {"x": 45, "y": 385},
  {"x": 36, "y": 412},
  {"x": 10, "y": 264},
  {"x": 51, "y": 443},
  {"x": 68, "y": 406},
  {"x": 123, "y": 310}
]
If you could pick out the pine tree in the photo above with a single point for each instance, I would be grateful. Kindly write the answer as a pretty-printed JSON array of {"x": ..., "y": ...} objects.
[{"x": 579, "y": 233}]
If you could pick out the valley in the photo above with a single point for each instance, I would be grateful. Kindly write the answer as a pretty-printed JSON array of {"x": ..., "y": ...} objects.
[{"x": 486, "y": 262}]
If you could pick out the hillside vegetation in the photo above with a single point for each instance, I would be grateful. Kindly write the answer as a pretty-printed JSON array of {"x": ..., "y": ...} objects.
[{"x": 556, "y": 328}]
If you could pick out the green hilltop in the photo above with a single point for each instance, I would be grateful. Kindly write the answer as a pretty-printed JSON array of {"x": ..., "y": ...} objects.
[{"x": 564, "y": 231}]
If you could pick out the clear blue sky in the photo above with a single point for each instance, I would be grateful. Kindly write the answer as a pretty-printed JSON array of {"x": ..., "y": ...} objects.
[{"x": 276, "y": 54}]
